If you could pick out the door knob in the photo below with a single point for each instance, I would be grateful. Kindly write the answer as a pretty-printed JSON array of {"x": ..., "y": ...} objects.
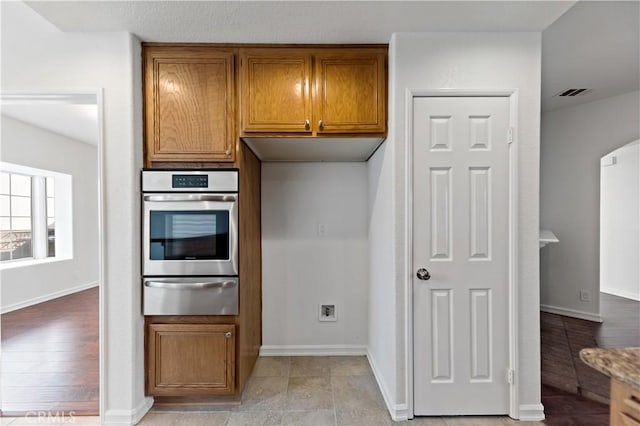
[{"x": 423, "y": 274}]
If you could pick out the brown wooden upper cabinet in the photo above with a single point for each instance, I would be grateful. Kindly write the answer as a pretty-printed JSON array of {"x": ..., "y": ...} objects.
[
  {"x": 313, "y": 91},
  {"x": 189, "y": 104}
]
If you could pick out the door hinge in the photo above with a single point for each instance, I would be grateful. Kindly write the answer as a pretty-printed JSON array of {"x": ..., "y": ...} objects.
[
  {"x": 510, "y": 376},
  {"x": 510, "y": 135}
]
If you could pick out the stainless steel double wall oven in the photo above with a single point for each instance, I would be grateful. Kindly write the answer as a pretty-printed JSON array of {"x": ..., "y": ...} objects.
[{"x": 190, "y": 242}]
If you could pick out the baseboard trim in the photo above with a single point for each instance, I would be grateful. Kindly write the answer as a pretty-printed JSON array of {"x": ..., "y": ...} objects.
[
  {"x": 47, "y": 297},
  {"x": 621, "y": 293},
  {"x": 142, "y": 409},
  {"x": 128, "y": 417},
  {"x": 571, "y": 313},
  {"x": 312, "y": 350},
  {"x": 531, "y": 412},
  {"x": 398, "y": 412}
]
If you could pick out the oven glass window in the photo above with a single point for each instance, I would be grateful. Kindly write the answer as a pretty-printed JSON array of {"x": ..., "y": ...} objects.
[{"x": 189, "y": 235}]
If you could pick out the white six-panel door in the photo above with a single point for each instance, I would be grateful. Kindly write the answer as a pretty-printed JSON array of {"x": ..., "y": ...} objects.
[{"x": 461, "y": 237}]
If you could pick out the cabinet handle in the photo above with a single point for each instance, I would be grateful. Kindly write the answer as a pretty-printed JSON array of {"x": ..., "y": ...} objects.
[
  {"x": 307, "y": 124},
  {"x": 227, "y": 335},
  {"x": 227, "y": 152},
  {"x": 321, "y": 124}
]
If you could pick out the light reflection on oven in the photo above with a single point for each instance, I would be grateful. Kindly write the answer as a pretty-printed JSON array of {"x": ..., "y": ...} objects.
[{"x": 189, "y": 235}]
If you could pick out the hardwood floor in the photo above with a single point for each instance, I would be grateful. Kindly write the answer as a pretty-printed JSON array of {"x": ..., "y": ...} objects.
[
  {"x": 562, "y": 370},
  {"x": 566, "y": 409},
  {"x": 50, "y": 357},
  {"x": 621, "y": 326}
]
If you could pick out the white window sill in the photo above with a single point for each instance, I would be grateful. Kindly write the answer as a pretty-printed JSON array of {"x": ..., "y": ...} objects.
[{"x": 31, "y": 262}]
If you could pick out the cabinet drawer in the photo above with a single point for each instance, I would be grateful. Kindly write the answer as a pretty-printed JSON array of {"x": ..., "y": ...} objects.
[
  {"x": 629, "y": 421},
  {"x": 631, "y": 406},
  {"x": 190, "y": 296},
  {"x": 625, "y": 404}
]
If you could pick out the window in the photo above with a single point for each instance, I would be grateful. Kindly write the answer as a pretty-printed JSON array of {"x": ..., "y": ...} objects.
[
  {"x": 15, "y": 217},
  {"x": 51, "y": 217},
  {"x": 35, "y": 215}
]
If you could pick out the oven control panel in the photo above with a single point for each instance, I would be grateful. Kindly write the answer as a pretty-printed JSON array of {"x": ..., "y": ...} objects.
[
  {"x": 189, "y": 181},
  {"x": 194, "y": 180}
]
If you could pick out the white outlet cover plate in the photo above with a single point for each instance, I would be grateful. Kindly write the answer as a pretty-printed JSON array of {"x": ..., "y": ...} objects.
[
  {"x": 323, "y": 318},
  {"x": 585, "y": 296}
]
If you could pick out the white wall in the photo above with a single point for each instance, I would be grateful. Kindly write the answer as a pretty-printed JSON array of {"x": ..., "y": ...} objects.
[
  {"x": 620, "y": 222},
  {"x": 456, "y": 61},
  {"x": 382, "y": 352},
  {"x": 301, "y": 269},
  {"x": 32, "y": 146},
  {"x": 573, "y": 141},
  {"x": 36, "y": 57}
]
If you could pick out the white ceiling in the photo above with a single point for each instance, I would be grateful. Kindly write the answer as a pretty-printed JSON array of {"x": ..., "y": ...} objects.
[
  {"x": 594, "y": 44},
  {"x": 296, "y": 21},
  {"x": 78, "y": 122}
]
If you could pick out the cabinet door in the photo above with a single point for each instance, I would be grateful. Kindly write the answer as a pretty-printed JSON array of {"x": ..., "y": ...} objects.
[
  {"x": 189, "y": 104},
  {"x": 351, "y": 94},
  {"x": 275, "y": 93},
  {"x": 191, "y": 359}
]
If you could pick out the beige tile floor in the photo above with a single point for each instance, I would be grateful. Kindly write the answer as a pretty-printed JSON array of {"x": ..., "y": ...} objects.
[
  {"x": 311, "y": 391},
  {"x": 293, "y": 391}
]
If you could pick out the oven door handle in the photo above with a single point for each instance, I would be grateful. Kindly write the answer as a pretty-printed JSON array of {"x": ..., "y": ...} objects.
[
  {"x": 189, "y": 197},
  {"x": 189, "y": 286}
]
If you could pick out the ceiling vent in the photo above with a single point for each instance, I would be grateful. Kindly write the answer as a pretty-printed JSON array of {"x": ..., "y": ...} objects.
[{"x": 573, "y": 92}]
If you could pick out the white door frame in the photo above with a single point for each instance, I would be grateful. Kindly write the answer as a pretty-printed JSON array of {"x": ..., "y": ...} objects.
[
  {"x": 512, "y": 94},
  {"x": 96, "y": 97}
]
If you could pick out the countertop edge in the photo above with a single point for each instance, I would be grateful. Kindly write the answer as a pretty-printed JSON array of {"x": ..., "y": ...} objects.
[{"x": 622, "y": 364}]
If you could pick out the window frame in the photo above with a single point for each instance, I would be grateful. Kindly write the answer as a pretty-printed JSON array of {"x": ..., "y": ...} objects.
[
  {"x": 63, "y": 216},
  {"x": 11, "y": 196}
]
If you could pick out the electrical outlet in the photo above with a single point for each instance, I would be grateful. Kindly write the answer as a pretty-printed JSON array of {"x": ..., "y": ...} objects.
[
  {"x": 327, "y": 313},
  {"x": 322, "y": 229},
  {"x": 585, "y": 296}
]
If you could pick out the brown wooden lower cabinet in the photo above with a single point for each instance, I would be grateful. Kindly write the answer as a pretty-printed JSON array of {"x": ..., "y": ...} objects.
[
  {"x": 625, "y": 404},
  {"x": 191, "y": 359}
]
